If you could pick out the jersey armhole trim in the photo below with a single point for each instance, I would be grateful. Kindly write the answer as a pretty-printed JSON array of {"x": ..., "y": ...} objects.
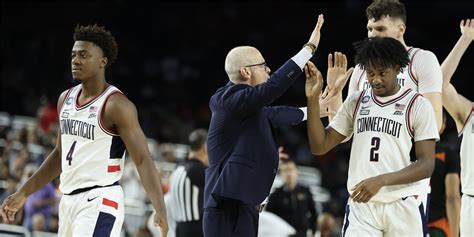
[
  {"x": 102, "y": 124},
  {"x": 65, "y": 98},
  {"x": 411, "y": 131},
  {"x": 465, "y": 122},
  {"x": 410, "y": 71},
  {"x": 357, "y": 104}
]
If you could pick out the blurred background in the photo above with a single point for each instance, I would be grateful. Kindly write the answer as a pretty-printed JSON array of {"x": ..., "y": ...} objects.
[{"x": 170, "y": 61}]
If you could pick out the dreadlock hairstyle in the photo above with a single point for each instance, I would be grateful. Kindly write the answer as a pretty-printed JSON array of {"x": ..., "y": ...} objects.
[
  {"x": 385, "y": 52},
  {"x": 382, "y": 8},
  {"x": 100, "y": 37}
]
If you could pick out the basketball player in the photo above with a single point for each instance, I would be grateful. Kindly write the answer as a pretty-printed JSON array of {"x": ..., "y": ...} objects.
[
  {"x": 387, "y": 18},
  {"x": 462, "y": 111},
  {"x": 97, "y": 125},
  {"x": 383, "y": 183}
]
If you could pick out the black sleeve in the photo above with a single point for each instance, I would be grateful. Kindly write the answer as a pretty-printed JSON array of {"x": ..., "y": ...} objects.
[
  {"x": 453, "y": 164},
  {"x": 312, "y": 210},
  {"x": 196, "y": 174}
]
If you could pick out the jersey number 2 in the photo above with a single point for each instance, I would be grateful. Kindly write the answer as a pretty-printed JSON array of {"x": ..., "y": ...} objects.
[
  {"x": 71, "y": 152},
  {"x": 374, "y": 156}
]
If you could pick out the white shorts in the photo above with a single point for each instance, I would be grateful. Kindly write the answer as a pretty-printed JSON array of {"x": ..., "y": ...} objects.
[
  {"x": 98, "y": 212},
  {"x": 467, "y": 215},
  {"x": 400, "y": 218}
]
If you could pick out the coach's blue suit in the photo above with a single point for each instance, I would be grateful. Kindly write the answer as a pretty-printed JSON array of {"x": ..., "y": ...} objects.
[{"x": 243, "y": 155}]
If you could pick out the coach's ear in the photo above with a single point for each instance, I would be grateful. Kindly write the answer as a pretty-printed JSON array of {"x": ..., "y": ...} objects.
[
  {"x": 103, "y": 62},
  {"x": 245, "y": 74}
]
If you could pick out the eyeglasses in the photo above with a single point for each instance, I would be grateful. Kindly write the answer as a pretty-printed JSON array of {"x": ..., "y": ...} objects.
[{"x": 264, "y": 64}]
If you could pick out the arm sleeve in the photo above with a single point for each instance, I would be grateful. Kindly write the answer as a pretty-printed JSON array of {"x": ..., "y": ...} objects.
[
  {"x": 197, "y": 173},
  {"x": 242, "y": 100},
  {"x": 428, "y": 72},
  {"x": 284, "y": 115},
  {"x": 302, "y": 57},
  {"x": 423, "y": 120}
]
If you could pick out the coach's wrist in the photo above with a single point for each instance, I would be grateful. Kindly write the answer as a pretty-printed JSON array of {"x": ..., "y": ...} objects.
[{"x": 310, "y": 47}]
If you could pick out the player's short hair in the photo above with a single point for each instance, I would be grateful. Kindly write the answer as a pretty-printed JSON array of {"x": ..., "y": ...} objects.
[
  {"x": 197, "y": 139},
  {"x": 385, "y": 52},
  {"x": 100, "y": 37},
  {"x": 382, "y": 8}
]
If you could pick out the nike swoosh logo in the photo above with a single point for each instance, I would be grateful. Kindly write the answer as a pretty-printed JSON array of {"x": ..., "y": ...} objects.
[{"x": 90, "y": 199}]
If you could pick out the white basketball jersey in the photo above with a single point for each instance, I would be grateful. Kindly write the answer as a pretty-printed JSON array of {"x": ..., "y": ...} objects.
[
  {"x": 467, "y": 157},
  {"x": 382, "y": 137},
  {"x": 90, "y": 154},
  {"x": 406, "y": 78}
]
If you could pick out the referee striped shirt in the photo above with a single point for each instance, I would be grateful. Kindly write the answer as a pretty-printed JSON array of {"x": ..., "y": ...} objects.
[{"x": 186, "y": 189}]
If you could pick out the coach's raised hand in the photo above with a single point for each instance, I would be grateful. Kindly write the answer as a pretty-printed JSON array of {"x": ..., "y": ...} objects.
[
  {"x": 313, "y": 42},
  {"x": 467, "y": 29}
]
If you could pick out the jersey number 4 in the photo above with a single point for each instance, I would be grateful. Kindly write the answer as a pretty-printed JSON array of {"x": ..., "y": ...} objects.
[
  {"x": 374, "y": 155},
  {"x": 71, "y": 152}
]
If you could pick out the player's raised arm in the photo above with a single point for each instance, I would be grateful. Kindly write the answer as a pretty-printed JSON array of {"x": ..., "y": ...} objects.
[
  {"x": 50, "y": 169},
  {"x": 321, "y": 140},
  {"x": 123, "y": 115},
  {"x": 457, "y": 105}
]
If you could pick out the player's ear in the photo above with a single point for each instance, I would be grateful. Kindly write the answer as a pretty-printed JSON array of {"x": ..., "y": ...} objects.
[
  {"x": 401, "y": 30},
  {"x": 398, "y": 69},
  {"x": 103, "y": 62}
]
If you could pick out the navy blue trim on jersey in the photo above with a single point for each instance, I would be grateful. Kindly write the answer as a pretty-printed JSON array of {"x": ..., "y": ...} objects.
[
  {"x": 346, "y": 223},
  {"x": 117, "y": 148},
  {"x": 104, "y": 225}
]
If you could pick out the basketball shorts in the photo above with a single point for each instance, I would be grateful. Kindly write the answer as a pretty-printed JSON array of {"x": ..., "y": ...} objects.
[
  {"x": 97, "y": 212},
  {"x": 401, "y": 218},
  {"x": 467, "y": 215}
]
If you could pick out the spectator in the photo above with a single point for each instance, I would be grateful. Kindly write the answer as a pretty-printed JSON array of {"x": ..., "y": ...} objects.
[{"x": 293, "y": 202}]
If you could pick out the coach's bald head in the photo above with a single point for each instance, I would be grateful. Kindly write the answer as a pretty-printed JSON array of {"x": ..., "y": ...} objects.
[{"x": 245, "y": 65}]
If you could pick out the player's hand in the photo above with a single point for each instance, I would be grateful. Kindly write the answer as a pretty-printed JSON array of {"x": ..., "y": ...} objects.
[
  {"x": 11, "y": 205},
  {"x": 324, "y": 107},
  {"x": 316, "y": 34},
  {"x": 314, "y": 80},
  {"x": 467, "y": 28},
  {"x": 337, "y": 74},
  {"x": 162, "y": 222},
  {"x": 366, "y": 189}
]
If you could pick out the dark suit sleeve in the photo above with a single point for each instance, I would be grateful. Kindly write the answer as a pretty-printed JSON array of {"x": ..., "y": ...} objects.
[
  {"x": 284, "y": 115},
  {"x": 241, "y": 100}
]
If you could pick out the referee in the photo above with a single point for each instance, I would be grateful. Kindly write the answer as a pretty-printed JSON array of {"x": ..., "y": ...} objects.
[{"x": 187, "y": 187}]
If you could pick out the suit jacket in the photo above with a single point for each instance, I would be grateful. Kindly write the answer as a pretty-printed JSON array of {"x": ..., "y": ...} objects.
[{"x": 243, "y": 155}]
